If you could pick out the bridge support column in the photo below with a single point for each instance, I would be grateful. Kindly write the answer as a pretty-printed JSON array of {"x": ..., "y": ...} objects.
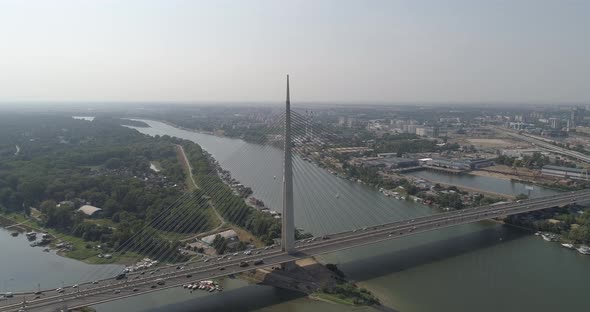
[{"x": 288, "y": 223}]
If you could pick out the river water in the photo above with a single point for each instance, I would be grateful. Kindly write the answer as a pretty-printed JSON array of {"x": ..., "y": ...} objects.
[
  {"x": 476, "y": 267},
  {"x": 25, "y": 268},
  {"x": 485, "y": 183}
]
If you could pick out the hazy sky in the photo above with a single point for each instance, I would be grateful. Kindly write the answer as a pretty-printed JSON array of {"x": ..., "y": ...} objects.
[{"x": 335, "y": 51}]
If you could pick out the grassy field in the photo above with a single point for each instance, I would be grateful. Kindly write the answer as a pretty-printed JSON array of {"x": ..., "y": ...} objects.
[
  {"x": 246, "y": 236},
  {"x": 102, "y": 222}
]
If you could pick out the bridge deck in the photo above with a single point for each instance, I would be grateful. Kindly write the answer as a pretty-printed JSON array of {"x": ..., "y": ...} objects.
[{"x": 110, "y": 289}]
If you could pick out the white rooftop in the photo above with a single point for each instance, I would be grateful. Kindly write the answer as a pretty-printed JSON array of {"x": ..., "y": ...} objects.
[
  {"x": 89, "y": 210},
  {"x": 225, "y": 234}
]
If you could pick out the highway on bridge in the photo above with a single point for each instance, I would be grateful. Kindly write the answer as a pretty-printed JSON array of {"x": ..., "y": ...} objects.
[
  {"x": 137, "y": 283},
  {"x": 547, "y": 145}
]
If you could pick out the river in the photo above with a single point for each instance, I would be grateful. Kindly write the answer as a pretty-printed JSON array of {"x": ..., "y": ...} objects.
[
  {"x": 477, "y": 267},
  {"x": 485, "y": 183},
  {"x": 25, "y": 268}
]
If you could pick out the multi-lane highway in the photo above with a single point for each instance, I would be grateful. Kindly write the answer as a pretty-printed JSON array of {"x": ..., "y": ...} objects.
[
  {"x": 547, "y": 145},
  {"x": 173, "y": 276}
]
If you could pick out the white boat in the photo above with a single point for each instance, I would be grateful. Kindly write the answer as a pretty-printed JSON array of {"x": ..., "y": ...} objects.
[
  {"x": 549, "y": 237},
  {"x": 566, "y": 245},
  {"x": 585, "y": 250}
]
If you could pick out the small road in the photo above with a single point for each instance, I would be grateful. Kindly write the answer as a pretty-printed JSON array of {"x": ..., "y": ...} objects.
[
  {"x": 187, "y": 165},
  {"x": 14, "y": 225}
]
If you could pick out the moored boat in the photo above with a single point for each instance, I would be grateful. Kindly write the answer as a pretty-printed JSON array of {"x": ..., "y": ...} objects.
[
  {"x": 566, "y": 245},
  {"x": 585, "y": 250},
  {"x": 549, "y": 237}
]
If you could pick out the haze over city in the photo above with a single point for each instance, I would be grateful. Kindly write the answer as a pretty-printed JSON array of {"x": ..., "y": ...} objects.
[{"x": 336, "y": 51}]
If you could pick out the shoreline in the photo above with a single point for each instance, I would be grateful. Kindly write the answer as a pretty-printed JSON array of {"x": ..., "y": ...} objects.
[
  {"x": 10, "y": 225},
  {"x": 311, "y": 276},
  {"x": 481, "y": 173},
  {"x": 510, "y": 177},
  {"x": 467, "y": 189},
  {"x": 173, "y": 125}
]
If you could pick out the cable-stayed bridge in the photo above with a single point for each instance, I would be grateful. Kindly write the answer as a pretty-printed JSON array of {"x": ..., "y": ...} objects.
[{"x": 103, "y": 286}]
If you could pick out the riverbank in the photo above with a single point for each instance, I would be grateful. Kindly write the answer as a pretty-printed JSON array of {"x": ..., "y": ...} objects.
[
  {"x": 490, "y": 174},
  {"x": 78, "y": 248},
  {"x": 531, "y": 179},
  {"x": 466, "y": 188},
  {"x": 171, "y": 125}
]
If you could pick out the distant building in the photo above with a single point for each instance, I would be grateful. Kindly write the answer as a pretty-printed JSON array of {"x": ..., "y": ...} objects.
[
  {"x": 352, "y": 122},
  {"x": 480, "y": 163},
  {"x": 448, "y": 163},
  {"x": 90, "y": 211},
  {"x": 565, "y": 172},
  {"x": 427, "y": 131},
  {"x": 519, "y": 152},
  {"x": 389, "y": 163},
  {"x": 350, "y": 150},
  {"x": 520, "y": 125},
  {"x": 460, "y": 164},
  {"x": 409, "y": 129}
]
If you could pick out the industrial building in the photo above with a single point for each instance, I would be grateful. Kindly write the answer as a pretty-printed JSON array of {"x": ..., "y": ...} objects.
[
  {"x": 565, "y": 172},
  {"x": 460, "y": 164},
  {"x": 388, "y": 163},
  {"x": 520, "y": 152}
]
